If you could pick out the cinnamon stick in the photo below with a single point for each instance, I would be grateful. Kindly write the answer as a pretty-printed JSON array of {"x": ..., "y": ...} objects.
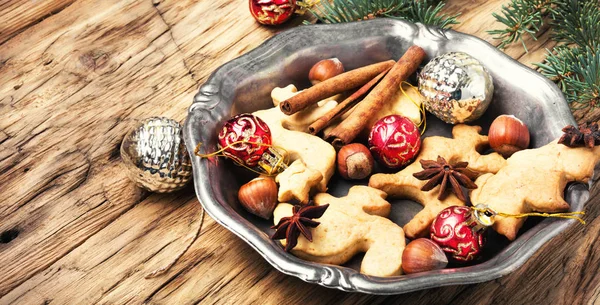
[
  {"x": 349, "y": 128},
  {"x": 330, "y": 87},
  {"x": 344, "y": 106}
]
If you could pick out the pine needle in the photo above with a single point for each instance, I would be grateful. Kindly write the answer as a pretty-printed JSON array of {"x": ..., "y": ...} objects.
[
  {"x": 521, "y": 17},
  {"x": 423, "y": 11},
  {"x": 575, "y": 63}
]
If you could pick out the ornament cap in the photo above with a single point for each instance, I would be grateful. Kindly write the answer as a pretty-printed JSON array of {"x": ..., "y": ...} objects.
[
  {"x": 272, "y": 161},
  {"x": 246, "y": 140},
  {"x": 484, "y": 215}
]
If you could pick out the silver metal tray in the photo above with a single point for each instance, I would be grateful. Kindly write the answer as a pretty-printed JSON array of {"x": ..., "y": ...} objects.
[{"x": 244, "y": 85}]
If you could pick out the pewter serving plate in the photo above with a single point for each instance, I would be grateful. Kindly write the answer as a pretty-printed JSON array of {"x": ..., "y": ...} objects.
[{"x": 244, "y": 85}]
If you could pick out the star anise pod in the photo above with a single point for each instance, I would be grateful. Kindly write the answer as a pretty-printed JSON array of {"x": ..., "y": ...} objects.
[
  {"x": 585, "y": 135},
  {"x": 453, "y": 176},
  {"x": 291, "y": 227}
]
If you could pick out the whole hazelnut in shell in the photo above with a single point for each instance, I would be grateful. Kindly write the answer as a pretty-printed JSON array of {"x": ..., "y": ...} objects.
[
  {"x": 259, "y": 196},
  {"x": 508, "y": 135},
  {"x": 423, "y": 255},
  {"x": 354, "y": 161},
  {"x": 325, "y": 69}
]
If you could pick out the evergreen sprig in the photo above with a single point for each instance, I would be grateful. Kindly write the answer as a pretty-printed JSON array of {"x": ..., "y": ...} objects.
[
  {"x": 574, "y": 64},
  {"x": 521, "y": 17},
  {"x": 577, "y": 73},
  {"x": 577, "y": 22},
  {"x": 424, "y": 11}
]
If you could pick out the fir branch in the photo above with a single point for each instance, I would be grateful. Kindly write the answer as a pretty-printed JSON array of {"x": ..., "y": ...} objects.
[
  {"x": 584, "y": 87},
  {"x": 424, "y": 11},
  {"x": 521, "y": 17},
  {"x": 577, "y": 73},
  {"x": 577, "y": 22},
  {"x": 556, "y": 66},
  {"x": 575, "y": 63}
]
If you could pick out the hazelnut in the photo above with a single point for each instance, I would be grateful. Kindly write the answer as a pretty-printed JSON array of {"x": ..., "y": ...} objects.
[
  {"x": 354, "y": 161},
  {"x": 422, "y": 255},
  {"x": 259, "y": 196},
  {"x": 508, "y": 135},
  {"x": 325, "y": 69}
]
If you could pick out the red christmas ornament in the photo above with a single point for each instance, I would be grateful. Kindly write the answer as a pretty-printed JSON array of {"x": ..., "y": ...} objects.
[
  {"x": 394, "y": 140},
  {"x": 272, "y": 12},
  {"x": 247, "y": 128},
  {"x": 459, "y": 231}
]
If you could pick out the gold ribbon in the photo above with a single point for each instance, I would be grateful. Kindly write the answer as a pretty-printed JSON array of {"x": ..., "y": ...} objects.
[{"x": 569, "y": 215}]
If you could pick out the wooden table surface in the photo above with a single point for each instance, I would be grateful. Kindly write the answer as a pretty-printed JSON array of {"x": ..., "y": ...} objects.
[{"x": 76, "y": 75}]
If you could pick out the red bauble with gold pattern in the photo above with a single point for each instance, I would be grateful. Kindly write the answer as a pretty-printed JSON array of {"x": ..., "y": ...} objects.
[
  {"x": 272, "y": 12},
  {"x": 394, "y": 140},
  {"x": 459, "y": 233},
  {"x": 248, "y": 128}
]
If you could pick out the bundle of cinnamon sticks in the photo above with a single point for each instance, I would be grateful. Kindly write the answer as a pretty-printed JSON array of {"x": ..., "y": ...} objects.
[{"x": 377, "y": 83}]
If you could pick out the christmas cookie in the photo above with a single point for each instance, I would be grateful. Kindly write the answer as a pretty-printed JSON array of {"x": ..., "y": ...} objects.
[
  {"x": 534, "y": 180},
  {"x": 296, "y": 182},
  {"x": 352, "y": 224},
  {"x": 465, "y": 146},
  {"x": 315, "y": 154}
]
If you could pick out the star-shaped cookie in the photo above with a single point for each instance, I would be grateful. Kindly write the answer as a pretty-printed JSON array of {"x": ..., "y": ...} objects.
[
  {"x": 465, "y": 145},
  {"x": 296, "y": 182}
]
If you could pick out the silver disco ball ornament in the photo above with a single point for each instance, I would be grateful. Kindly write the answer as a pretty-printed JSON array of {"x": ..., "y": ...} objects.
[
  {"x": 457, "y": 87},
  {"x": 155, "y": 156}
]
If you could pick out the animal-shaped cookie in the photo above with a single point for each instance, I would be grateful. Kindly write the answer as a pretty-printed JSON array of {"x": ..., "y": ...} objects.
[
  {"x": 316, "y": 154},
  {"x": 465, "y": 146},
  {"x": 534, "y": 180},
  {"x": 352, "y": 224}
]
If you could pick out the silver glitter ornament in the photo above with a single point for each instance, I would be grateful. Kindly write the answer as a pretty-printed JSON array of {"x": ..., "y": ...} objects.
[
  {"x": 155, "y": 156},
  {"x": 457, "y": 87}
]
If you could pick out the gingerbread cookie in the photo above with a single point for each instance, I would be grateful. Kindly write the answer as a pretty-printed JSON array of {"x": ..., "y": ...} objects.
[
  {"x": 534, "y": 180},
  {"x": 297, "y": 181},
  {"x": 315, "y": 154},
  {"x": 463, "y": 147},
  {"x": 352, "y": 224}
]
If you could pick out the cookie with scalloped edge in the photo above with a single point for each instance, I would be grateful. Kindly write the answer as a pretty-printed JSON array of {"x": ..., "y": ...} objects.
[
  {"x": 534, "y": 180},
  {"x": 465, "y": 145},
  {"x": 352, "y": 224}
]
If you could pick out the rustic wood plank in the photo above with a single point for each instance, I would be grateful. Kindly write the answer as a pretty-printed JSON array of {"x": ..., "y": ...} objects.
[
  {"x": 18, "y": 15},
  {"x": 203, "y": 43},
  {"x": 73, "y": 84},
  {"x": 102, "y": 266},
  {"x": 479, "y": 21},
  {"x": 80, "y": 87}
]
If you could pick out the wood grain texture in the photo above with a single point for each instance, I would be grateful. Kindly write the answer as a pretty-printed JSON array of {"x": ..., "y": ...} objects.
[
  {"x": 21, "y": 14},
  {"x": 76, "y": 75}
]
